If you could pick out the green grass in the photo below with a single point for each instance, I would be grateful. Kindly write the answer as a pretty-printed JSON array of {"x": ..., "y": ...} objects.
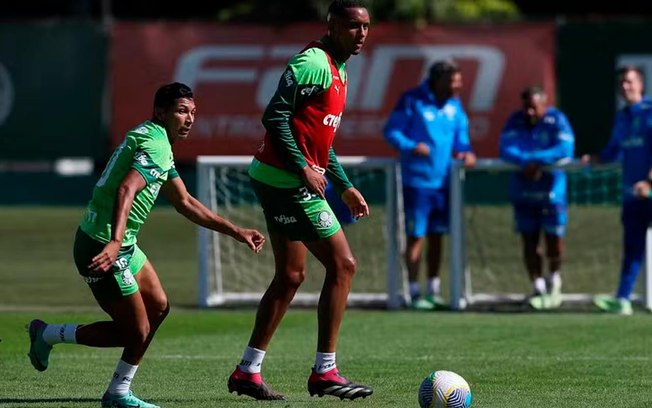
[{"x": 509, "y": 360}]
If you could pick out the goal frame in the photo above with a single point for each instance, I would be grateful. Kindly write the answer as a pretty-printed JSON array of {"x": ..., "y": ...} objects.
[
  {"x": 460, "y": 290},
  {"x": 396, "y": 288}
]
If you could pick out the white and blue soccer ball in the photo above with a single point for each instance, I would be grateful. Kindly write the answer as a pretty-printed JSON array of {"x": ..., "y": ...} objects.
[{"x": 444, "y": 389}]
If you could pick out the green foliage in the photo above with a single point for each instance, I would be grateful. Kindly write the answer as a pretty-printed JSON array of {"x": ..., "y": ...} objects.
[{"x": 416, "y": 11}]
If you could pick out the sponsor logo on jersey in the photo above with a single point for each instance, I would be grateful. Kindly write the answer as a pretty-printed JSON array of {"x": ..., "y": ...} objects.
[
  {"x": 141, "y": 158},
  {"x": 309, "y": 90},
  {"x": 289, "y": 78},
  {"x": 284, "y": 219},
  {"x": 429, "y": 115},
  {"x": 449, "y": 111},
  {"x": 633, "y": 142},
  {"x": 325, "y": 219},
  {"x": 332, "y": 120},
  {"x": 92, "y": 279},
  {"x": 142, "y": 130}
]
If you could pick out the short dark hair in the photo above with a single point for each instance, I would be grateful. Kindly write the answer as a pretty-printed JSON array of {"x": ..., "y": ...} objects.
[
  {"x": 167, "y": 94},
  {"x": 443, "y": 68},
  {"x": 338, "y": 7},
  {"x": 631, "y": 68},
  {"x": 531, "y": 91}
]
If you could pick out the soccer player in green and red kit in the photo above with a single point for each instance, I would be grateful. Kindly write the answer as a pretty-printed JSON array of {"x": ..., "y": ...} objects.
[
  {"x": 288, "y": 176},
  {"x": 122, "y": 280}
]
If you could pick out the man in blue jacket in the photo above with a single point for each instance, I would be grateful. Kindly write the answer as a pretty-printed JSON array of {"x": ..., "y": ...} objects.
[
  {"x": 630, "y": 143},
  {"x": 533, "y": 137},
  {"x": 429, "y": 128}
]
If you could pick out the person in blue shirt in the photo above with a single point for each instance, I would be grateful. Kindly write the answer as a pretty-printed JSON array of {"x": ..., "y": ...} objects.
[
  {"x": 429, "y": 128},
  {"x": 533, "y": 137},
  {"x": 631, "y": 144}
]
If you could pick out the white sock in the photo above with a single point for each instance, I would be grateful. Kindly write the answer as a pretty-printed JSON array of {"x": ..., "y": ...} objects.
[
  {"x": 252, "y": 360},
  {"x": 60, "y": 333},
  {"x": 324, "y": 362},
  {"x": 415, "y": 291},
  {"x": 434, "y": 285},
  {"x": 540, "y": 285},
  {"x": 555, "y": 280},
  {"x": 121, "y": 381}
]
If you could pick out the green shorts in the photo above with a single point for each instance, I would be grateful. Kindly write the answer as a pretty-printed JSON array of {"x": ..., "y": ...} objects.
[
  {"x": 120, "y": 281},
  {"x": 296, "y": 213}
]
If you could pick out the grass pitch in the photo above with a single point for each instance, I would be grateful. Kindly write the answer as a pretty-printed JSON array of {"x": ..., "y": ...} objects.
[{"x": 509, "y": 359}]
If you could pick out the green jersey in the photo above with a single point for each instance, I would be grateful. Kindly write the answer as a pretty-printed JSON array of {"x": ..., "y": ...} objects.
[
  {"x": 147, "y": 150},
  {"x": 302, "y": 118}
]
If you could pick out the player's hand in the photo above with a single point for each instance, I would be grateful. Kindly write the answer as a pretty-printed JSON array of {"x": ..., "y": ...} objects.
[
  {"x": 468, "y": 158},
  {"x": 532, "y": 171},
  {"x": 314, "y": 180},
  {"x": 356, "y": 203},
  {"x": 642, "y": 189},
  {"x": 102, "y": 262},
  {"x": 587, "y": 159},
  {"x": 421, "y": 149},
  {"x": 253, "y": 238}
]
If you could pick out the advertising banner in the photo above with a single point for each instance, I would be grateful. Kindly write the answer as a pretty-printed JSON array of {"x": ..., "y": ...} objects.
[
  {"x": 52, "y": 83},
  {"x": 235, "y": 69}
]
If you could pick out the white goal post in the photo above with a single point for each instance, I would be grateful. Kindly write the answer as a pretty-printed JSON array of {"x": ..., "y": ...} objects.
[
  {"x": 229, "y": 274},
  {"x": 461, "y": 293}
]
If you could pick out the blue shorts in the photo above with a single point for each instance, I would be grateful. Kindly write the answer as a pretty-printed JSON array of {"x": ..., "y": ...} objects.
[
  {"x": 547, "y": 217},
  {"x": 342, "y": 212},
  {"x": 426, "y": 211}
]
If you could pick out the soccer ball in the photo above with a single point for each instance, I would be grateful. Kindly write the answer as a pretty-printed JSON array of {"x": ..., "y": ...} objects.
[{"x": 444, "y": 389}]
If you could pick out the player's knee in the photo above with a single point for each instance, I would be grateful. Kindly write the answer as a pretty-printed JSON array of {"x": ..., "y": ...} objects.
[
  {"x": 346, "y": 267},
  {"x": 158, "y": 308},
  {"x": 292, "y": 278},
  {"x": 137, "y": 335}
]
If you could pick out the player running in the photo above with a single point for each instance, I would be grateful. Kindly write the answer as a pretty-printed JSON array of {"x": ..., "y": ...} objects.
[
  {"x": 288, "y": 176},
  {"x": 122, "y": 279}
]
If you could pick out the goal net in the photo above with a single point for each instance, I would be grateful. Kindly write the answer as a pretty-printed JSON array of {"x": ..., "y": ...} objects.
[
  {"x": 229, "y": 273},
  {"x": 485, "y": 253}
]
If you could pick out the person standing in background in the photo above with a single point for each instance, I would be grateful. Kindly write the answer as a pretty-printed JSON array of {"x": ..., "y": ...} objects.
[
  {"x": 535, "y": 136},
  {"x": 631, "y": 144},
  {"x": 429, "y": 128}
]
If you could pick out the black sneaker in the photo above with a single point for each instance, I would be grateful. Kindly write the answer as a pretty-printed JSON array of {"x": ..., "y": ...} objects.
[
  {"x": 332, "y": 383},
  {"x": 252, "y": 385}
]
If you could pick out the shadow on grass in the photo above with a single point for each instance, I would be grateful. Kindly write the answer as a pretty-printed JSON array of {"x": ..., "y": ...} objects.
[{"x": 45, "y": 400}]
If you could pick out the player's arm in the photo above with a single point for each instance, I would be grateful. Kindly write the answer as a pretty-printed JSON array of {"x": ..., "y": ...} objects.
[
  {"x": 306, "y": 76},
  {"x": 612, "y": 151},
  {"x": 336, "y": 173},
  {"x": 349, "y": 194},
  {"x": 132, "y": 183},
  {"x": 175, "y": 191},
  {"x": 643, "y": 189},
  {"x": 395, "y": 130},
  {"x": 563, "y": 147},
  {"x": 510, "y": 149}
]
